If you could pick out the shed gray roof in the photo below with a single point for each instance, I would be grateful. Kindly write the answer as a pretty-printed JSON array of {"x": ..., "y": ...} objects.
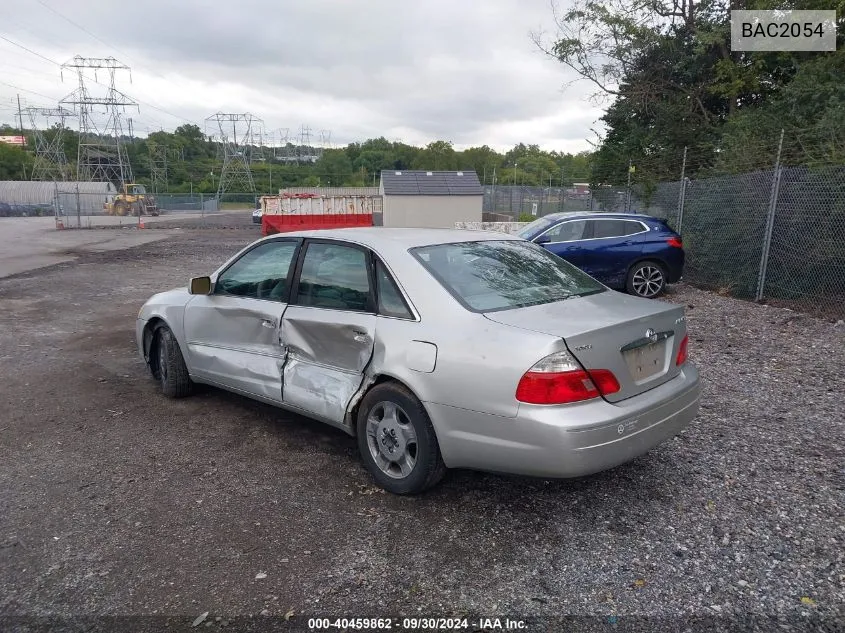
[{"x": 430, "y": 183}]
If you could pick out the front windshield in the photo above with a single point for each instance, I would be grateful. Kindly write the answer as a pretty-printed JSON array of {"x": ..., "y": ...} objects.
[
  {"x": 529, "y": 230},
  {"x": 501, "y": 275}
]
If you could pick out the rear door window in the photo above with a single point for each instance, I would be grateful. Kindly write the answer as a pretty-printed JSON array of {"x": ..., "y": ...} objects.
[
  {"x": 390, "y": 301},
  {"x": 614, "y": 228},
  {"x": 334, "y": 276}
]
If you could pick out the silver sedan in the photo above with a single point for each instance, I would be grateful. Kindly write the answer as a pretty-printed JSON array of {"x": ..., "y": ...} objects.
[{"x": 435, "y": 348}]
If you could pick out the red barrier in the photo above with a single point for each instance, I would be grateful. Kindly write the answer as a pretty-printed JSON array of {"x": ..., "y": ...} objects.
[{"x": 285, "y": 223}]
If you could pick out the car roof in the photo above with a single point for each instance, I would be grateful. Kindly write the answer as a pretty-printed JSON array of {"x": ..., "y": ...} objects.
[
  {"x": 567, "y": 215},
  {"x": 380, "y": 236}
]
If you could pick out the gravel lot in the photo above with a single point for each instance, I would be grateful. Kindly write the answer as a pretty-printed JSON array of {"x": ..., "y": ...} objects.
[{"x": 115, "y": 500}]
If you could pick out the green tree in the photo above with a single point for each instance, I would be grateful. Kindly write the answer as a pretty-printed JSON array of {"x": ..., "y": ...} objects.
[
  {"x": 15, "y": 162},
  {"x": 334, "y": 166}
]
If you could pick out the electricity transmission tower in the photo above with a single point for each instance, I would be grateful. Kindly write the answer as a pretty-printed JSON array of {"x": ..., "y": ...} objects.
[
  {"x": 306, "y": 152},
  {"x": 158, "y": 166},
  {"x": 102, "y": 155},
  {"x": 325, "y": 141},
  {"x": 50, "y": 160},
  {"x": 236, "y": 137}
]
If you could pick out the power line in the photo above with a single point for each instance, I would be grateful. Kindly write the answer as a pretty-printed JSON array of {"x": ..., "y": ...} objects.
[
  {"x": 52, "y": 61},
  {"x": 79, "y": 26},
  {"x": 29, "y": 50},
  {"x": 25, "y": 90},
  {"x": 114, "y": 48}
]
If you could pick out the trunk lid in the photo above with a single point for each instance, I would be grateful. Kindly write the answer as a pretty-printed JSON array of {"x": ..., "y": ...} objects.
[{"x": 637, "y": 339}]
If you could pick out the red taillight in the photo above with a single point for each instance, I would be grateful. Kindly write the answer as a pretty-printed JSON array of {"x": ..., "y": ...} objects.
[
  {"x": 559, "y": 379},
  {"x": 675, "y": 242},
  {"x": 682, "y": 352}
]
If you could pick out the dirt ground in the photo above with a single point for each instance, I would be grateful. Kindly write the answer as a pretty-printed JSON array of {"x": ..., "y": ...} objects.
[{"x": 115, "y": 501}]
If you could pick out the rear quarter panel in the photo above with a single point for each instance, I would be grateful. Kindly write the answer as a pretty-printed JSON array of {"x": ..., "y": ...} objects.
[
  {"x": 656, "y": 247},
  {"x": 478, "y": 362}
]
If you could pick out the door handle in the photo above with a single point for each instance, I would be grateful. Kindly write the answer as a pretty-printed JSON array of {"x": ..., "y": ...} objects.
[
  {"x": 361, "y": 337},
  {"x": 268, "y": 323}
]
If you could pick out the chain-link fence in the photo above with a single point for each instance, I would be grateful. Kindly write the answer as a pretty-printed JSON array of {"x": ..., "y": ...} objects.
[
  {"x": 776, "y": 234},
  {"x": 514, "y": 200}
]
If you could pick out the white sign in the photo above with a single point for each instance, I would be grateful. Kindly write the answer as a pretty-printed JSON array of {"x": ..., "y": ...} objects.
[{"x": 783, "y": 31}]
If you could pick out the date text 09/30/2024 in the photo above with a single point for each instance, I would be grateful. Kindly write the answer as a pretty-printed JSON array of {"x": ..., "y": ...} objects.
[{"x": 415, "y": 624}]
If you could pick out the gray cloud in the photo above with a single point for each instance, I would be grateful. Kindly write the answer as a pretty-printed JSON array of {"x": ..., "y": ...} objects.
[{"x": 465, "y": 72}]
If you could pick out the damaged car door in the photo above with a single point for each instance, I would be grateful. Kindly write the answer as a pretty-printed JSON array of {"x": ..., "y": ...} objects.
[
  {"x": 232, "y": 334},
  {"x": 328, "y": 329}
]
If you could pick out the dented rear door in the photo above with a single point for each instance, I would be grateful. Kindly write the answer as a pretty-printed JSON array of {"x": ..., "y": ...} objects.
[
  {"x": 328, "y": 331},
  {"x": 327, "y": 353}
]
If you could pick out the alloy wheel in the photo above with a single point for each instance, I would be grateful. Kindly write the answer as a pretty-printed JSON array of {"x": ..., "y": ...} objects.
[
  {"x": 392, "y": 439},
  {"x": 648, "y": 281}
]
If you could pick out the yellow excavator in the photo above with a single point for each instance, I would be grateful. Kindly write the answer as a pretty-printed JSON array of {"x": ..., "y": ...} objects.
[{"x": 133, "y": 199}]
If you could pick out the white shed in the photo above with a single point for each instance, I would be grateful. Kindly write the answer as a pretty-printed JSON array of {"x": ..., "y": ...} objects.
[{"x": 430, "y": 199}]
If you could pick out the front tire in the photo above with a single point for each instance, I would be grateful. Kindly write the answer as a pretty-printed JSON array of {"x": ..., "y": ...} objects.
[
  {"x": 646, "y": 279},
  {"x": 170, "y": 368},
  {"x": 397, "y": 441}
]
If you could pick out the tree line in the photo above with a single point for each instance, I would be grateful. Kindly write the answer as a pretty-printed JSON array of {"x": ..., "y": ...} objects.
[{"x": 193, "y": 162}]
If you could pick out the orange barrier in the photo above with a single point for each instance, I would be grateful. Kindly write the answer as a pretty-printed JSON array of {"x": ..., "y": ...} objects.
[{"x": 285, "y": 223}]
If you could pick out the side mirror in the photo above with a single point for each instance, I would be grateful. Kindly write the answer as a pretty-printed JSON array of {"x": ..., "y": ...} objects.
[
  {"x": 200, "y": 286},
  {"x": 543, "y": 239}
]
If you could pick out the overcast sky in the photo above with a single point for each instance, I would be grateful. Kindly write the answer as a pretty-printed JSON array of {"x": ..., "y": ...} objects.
[{"x": 465, "y": 72}]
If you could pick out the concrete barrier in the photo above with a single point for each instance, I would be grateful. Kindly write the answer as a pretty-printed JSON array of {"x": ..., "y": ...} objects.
[{"x": 498, "y": 227}]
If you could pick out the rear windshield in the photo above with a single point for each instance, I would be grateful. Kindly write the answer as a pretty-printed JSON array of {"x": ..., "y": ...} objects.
[{"x": 501, "y": 275}]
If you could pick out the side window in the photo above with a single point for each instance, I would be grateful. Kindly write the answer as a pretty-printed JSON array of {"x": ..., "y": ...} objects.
[
  {"x": 633, "y": 227},
  {"x": 568, "y": 231},
  {"x": 261, "y": 273},
  {"x": 615, "y": 228},
  {"x": 390, "y": 301},
  {"x": 334, "y": 276}
]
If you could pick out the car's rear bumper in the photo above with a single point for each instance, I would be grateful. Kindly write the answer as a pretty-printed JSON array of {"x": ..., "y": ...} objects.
[{"x": 567, "y": 441}]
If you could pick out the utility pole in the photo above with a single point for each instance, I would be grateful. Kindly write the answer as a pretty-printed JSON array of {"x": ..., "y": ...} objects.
[
  {"x": 628, "y": 194},
  {"x": 20, "y": 114},
  {"x": 20, "y": 119}
]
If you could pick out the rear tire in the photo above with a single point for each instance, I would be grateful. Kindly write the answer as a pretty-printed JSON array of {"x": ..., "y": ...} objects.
[
  {"x": 170, "y": 368},
  {"x": 397, "y": 441},
  {"x": 646, "y": 279}
]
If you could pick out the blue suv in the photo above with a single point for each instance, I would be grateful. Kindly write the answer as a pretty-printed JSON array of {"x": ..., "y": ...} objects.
[{"x": 625, "y": 251}]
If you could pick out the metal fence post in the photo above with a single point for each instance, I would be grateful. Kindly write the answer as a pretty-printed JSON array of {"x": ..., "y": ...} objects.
[
  {"x": 770, "y": 223},
  {"x": 78, "y": 209},
  {"x": 202, "y": 206},
  {"x": 682, "y": 194}
]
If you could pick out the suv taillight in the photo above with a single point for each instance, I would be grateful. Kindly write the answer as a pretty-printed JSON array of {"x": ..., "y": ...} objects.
[
  {"x": 559, "y": 379},
  {"x": 675, "y": 242},
  {"x": 682, "y": 351}
]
